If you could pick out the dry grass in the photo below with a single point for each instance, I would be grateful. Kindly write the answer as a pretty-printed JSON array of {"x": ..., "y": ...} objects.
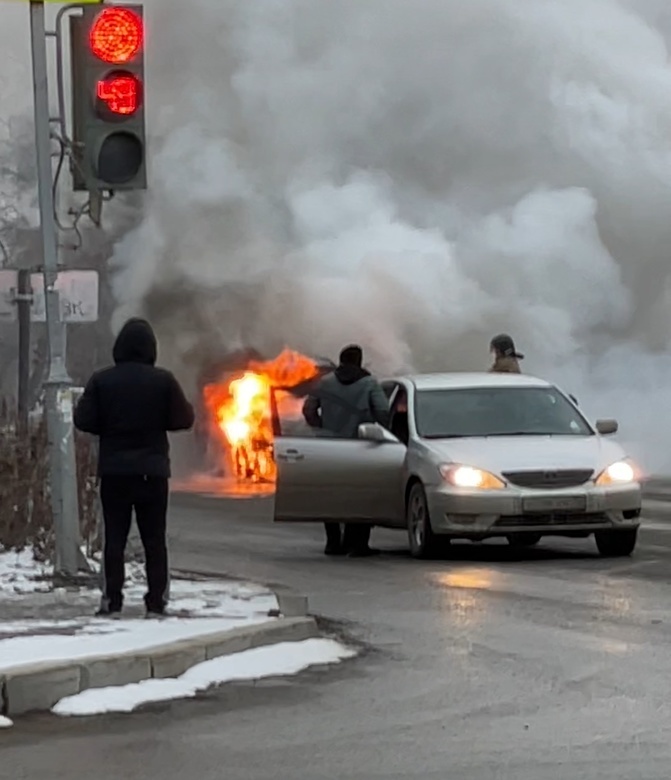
[{"x": 25, "y": 510}]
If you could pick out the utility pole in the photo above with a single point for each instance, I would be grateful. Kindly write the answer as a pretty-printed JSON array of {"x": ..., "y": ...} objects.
[{"x": 58, "y": 397}]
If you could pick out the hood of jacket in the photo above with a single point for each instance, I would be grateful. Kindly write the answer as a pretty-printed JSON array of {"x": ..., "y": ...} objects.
[
  {"x": 136, "y": 343},
  {"x": 348, "y": 375}
]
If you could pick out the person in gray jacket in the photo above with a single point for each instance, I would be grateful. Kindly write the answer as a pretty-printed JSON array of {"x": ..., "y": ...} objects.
[{"x": 341, "y": 402}]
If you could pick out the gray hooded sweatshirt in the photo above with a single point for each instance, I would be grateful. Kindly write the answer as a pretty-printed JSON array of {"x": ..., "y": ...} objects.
[{"x": 345, "y": 399}]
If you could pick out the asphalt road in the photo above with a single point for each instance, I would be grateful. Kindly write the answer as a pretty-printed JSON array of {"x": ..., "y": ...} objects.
[{"x": 482, "y": 666}]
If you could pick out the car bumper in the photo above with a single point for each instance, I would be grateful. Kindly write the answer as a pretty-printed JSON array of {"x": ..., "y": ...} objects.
[{"x": 499, "y": 513}]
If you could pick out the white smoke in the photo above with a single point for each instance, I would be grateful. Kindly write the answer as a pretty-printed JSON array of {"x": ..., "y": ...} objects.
[{"x": 415, "y": 177}]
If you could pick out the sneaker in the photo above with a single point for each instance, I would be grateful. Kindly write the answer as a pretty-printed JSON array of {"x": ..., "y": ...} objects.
[
  {"x": 154, "y": 614},
  {"x": 334, "y": 549},
  {"x": 111, "y": 614}
]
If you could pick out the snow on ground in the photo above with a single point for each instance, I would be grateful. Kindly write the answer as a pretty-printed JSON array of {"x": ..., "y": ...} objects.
[
  {"x": 37, "y": 626},
  {"x": 285, "y": 658},
  {"x": 5, "y": 723},
  {"x": 196, "y": 607},
  {"x": 20, "y": 573},
  {"x": 107, "y": 638}
]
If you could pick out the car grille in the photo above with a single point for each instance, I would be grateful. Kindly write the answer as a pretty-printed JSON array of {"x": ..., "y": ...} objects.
[
  {"x": 509, "y": 521},
  {"x": 549, "y": 478}
]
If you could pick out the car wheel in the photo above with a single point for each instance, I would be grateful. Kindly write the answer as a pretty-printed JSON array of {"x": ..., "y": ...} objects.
[
  {"x": 525, "y": 539},
  {"x": 423, "y": 543},
  {"x": 616, "y": 544}
]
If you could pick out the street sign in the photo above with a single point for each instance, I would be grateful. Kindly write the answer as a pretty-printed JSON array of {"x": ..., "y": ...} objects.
[
  {"x": 78, "y": 294},
  {"x": 8, "y": 285}
]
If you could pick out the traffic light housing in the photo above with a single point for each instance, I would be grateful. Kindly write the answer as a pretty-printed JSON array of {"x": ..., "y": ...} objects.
[{"x": 108, "y": 110}]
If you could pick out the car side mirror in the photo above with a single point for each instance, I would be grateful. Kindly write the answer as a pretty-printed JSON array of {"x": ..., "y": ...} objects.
[
  {"x": 607, "y": 427},
  {"x": 376, "y": 433}
]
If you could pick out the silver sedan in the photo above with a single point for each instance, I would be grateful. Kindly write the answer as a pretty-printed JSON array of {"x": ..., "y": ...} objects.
[{"x": 467, "y": 456}]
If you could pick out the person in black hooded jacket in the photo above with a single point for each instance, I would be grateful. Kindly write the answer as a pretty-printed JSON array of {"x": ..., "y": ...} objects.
[{"x": 131, "y": 406}]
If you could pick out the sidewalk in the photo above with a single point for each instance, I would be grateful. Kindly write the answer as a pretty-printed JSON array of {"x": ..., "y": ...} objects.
[{"x": 53, "y": 648}]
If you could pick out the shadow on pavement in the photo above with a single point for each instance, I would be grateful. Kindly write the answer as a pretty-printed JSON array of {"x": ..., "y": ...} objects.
[{"x": 488, "y": 552}]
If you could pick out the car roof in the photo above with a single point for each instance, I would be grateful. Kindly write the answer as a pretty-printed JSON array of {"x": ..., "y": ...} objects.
[{"x": 463, "y": 380}]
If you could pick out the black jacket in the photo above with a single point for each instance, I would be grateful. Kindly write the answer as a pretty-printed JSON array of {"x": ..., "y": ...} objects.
[{"x": 131, "y": 406}]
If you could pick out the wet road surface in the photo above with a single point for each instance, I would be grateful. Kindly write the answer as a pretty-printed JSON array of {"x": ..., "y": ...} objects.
[{"x": 487, "y": 665}]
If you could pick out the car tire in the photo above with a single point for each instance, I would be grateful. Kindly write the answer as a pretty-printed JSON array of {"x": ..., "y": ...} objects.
[
  {"x": 423, "y": 542},
  {"x": 616, "y": 544},
  {"x": 524, "y": 539}
]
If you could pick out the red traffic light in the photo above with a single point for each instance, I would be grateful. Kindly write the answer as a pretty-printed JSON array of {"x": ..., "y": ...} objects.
[
  {"x": 116, "y": 35},
  {"x": 120, "y": 94}
]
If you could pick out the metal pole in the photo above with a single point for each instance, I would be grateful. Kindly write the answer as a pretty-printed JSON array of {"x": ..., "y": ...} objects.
[
  {"x": 58, "y": 401},
  {"x": 23, "y": 305}
]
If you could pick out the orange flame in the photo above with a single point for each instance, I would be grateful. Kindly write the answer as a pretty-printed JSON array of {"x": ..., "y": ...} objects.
[{"x": 241, "y": 411}]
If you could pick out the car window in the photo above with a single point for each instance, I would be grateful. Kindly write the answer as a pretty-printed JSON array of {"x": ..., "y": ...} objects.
[
  {"x": 400, "y": 402},
  {"x": 497, "y": 411},
  {"x": 399, "y": 416}
]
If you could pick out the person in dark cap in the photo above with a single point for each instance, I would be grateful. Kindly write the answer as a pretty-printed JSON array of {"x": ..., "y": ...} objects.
[
  {"x": 506, "y": 357},
  {"x": 341, "y": 401},
  {"x": 131, "y": 406}
]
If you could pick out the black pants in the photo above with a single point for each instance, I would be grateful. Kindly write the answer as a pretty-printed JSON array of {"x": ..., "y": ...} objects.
[
  {"x": 148, "y": 496},
  {"x": 353, "y": 537}
]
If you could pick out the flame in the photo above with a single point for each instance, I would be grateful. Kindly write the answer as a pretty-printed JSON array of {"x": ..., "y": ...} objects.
[{"x": 241, "y": 411}]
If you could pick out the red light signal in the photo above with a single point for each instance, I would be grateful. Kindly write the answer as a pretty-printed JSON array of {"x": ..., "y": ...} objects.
[
  {"x": 119, "y": 94},
  {"x": 108, "y": 98},
  {"x": 116, "y": 35}
]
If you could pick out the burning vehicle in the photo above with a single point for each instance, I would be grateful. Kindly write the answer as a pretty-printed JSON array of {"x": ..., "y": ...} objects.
[{"x": 235, "y": 419}]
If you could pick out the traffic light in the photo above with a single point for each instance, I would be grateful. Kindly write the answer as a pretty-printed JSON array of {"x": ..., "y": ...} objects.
[{"x": 108, "y": 116}]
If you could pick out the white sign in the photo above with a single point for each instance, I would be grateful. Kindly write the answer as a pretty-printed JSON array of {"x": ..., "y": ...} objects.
[
  {"x": 78, "y": 295},
  {"x": 8, "y": 282},
  {"x": 64, "y": 399}
]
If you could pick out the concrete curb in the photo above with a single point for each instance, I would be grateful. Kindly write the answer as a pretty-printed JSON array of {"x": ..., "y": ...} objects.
[{"x": 39, "y": 686}]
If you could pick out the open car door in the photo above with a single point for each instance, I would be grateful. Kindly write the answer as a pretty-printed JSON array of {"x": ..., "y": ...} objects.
[{"x": 322, "y": 477}]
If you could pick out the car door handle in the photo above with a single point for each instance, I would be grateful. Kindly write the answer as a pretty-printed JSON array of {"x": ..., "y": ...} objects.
[{"x": 290, "y": 455}]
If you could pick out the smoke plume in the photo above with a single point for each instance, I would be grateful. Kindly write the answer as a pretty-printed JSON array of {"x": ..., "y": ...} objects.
[{"x": 415, "y": 177}]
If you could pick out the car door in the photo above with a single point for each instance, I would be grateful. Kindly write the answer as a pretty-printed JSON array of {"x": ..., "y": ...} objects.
[{"x": 322, "y": 477}]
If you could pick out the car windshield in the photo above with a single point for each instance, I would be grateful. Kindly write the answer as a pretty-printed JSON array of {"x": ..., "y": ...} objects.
[{"x": 497, "y": 411}]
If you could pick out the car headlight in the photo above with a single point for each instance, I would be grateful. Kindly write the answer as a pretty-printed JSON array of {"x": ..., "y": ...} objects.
[
  {"x": 469, "y": 477},
  {"x": 619, "y": 473}
]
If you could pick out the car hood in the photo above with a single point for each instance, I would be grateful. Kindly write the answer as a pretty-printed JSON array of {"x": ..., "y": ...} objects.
[{"x": 520, "y": 453}]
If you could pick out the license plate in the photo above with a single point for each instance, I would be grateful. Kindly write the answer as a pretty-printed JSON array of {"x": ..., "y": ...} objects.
[{"x": 555, "y": 504}]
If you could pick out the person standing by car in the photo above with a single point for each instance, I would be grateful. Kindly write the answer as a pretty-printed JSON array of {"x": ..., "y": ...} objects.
[
  {"x": 341, "y": 402},
  {"x": 506, "y": 357},
  {"x": 131, "y": 406}
]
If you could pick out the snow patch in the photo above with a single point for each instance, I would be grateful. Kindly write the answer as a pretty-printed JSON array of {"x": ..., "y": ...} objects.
[
  {"x": 197, "y": 607},
  {"x": 20, "y": 573},
  {"x": 124, "y": 636},
  {"x": 285, "y": 658}
]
